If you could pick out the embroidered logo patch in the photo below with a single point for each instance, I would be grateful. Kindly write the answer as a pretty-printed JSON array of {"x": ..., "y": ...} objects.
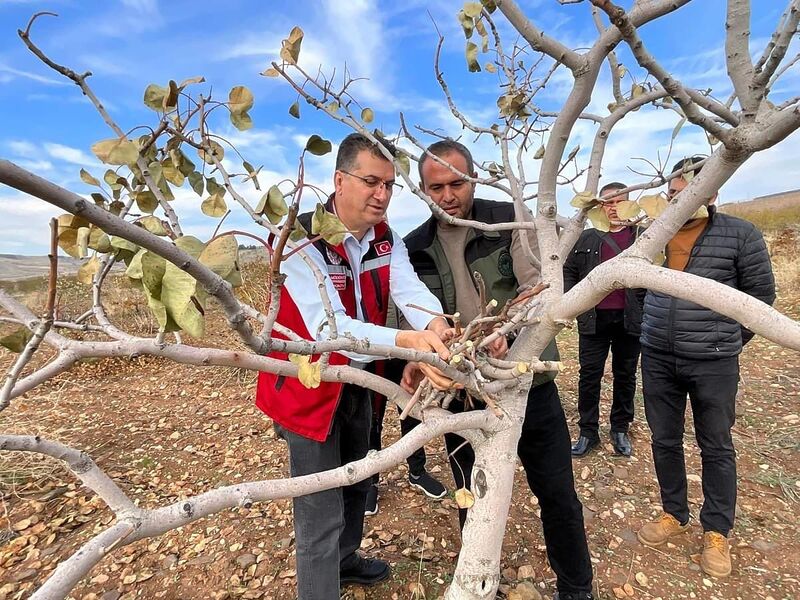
[
  {"x": 383, "y": 248},
  {"x": 333, "y": 257},
  {"x": 339, "y": 281},
  {"x": 505, "y": 265}
]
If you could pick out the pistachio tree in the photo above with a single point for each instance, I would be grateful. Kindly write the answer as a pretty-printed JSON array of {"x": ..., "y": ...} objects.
[{"x": 130, "y": 220}]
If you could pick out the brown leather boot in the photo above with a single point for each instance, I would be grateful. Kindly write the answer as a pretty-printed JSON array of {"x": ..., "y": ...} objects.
[
  {"x": 716, "y": 557},
  {"x": 659, "y": 531}
]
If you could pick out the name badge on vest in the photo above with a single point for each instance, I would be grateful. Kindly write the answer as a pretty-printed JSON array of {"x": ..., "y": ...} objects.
[
  {"x": 339, "y": 281},
  {"x": 383, "y": 248}
]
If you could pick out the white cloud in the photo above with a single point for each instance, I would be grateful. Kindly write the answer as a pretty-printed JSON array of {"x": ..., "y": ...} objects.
[
  {"x": 8, "y": 73},
  {"x": 23, "y": 148},
  {"x": 71, "y": 155}
]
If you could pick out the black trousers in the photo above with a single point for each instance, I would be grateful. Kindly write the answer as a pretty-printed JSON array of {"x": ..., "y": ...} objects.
[
  {"x": 328, "y": 525},
  {"x": 544, "y": 451},
  {"x": 592, "y": 353},
  {"x": 711, "y": 387},
  {"x": 416, "y": 461}
]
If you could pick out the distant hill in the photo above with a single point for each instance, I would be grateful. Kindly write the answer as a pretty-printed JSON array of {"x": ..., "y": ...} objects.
[{"x": 774, "y": 211}]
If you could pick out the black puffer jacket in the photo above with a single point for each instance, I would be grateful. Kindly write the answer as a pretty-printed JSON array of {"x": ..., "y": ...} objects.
[
  {"x": 585, "y": 256},
  {"x": 731, "y": 251}
]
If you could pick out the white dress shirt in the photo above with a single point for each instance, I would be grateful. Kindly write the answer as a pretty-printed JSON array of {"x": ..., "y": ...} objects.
[{"x": 404, "y": 287}]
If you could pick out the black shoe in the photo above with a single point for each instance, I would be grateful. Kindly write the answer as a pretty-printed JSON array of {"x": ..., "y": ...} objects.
[
  {"x": 371, "y": 507},
  {"x": 426, "y": 484},
  {"x": 365, "y": 571},
  {"x": 584, "y": 445},
  {"x": 573, "y": 596},
  {"x": 621, "y": 443}
]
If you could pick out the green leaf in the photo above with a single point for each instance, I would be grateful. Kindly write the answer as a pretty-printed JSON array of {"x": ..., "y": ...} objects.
[
  {"x": 184, "y": 165},
  {"x": 191, "y": 245},
  {"x": 153, "y": 268},
  {"x": 677, "y": 128},
  {"x": 134, "y": 270},
  {"x": 472, "y": 58},
  {"x": 599, "y": 218},
  {"x": 403, "y": 163},
  {"x": 290, "y": 47},
  {"x": 183, "y": 301},
  {"x": 154, "y": 97},
  {"x": 367, "y": 115},
  {"x": 308, "y": 373},
  {"x": 328, "y": 226},
  {"x": 318, "y": 146},
  {"x": 116, "y": 151},
  {"x": 273, "y": 205},
  {"x": 155, "y": 170},
  {"x": 197, "y": 182},
  {"x": 146, "y": 201},
  {"x": 221, "y": 255},
  {"x": 17, "y": 340},
  {"x": 153, "y": 225},
  {"x": 123, "y": 244},
  {"x": 171, "y": 98},
  {"x": 88, "y": 270},
  {"x": 82, "y": 240},
  {"x": 86, "y": 177},
  {"x": 213, "y": 187},
  {"x": 215, "y": 151},
  {"x": 294, "y": 110},
  {"x": 472, "y": 9},
  {"x": 99, "y": 240},
  {"x": 171, "y": 173},
  {"x": 214, "y": 206},
  {"x": 298, "y": 233},
  {"x": 252, "y": 173}
]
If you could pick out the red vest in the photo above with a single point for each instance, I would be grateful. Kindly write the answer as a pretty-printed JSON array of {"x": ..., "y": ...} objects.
[{"x": 309, "y": 412}]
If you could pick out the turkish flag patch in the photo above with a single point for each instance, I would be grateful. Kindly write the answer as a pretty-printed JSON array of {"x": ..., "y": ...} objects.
[{"x": 383, "y": 248}]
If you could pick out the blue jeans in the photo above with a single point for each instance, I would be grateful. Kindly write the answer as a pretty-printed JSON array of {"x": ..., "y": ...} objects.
[{"x": 328, "y": 525}]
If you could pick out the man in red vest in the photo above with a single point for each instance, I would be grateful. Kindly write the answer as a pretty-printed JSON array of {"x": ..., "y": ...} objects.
[{"x": 328, "y": 426}]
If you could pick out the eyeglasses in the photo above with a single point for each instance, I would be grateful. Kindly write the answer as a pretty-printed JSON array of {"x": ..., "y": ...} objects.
[{"x": 373, "y": 182}]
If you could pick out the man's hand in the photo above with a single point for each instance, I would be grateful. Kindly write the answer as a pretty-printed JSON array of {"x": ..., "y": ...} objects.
[
  {"x": 412, "y": 377},
  {"x": 442, "y": 328},
  {"x": 498, "y": 348},
  {"x": 427, "y": 341}
]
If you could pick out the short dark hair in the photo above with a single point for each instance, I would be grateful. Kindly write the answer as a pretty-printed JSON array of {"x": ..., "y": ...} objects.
[
  {"x": 443, "y": 148},
  {"x": 614, "y": 185},
  {"x": 355, "y": 143},
  {"x": 691, "y": 160}
]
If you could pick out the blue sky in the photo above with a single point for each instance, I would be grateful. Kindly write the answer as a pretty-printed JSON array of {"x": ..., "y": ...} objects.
[{"x": 47, "y": 126}]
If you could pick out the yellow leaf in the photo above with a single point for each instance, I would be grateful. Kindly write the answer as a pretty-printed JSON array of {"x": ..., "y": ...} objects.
[
  {"x": 472, "y": 58},
  {"x": 653, "y": 205},
  {"x": 627, "y": 209},
  {"x": 599, "y": 218},
  {"x": 214, "y": 206},
  {"x": 153, "y": 225},
  {"x": 240, "y": 99},
  {"x": 273, "y": 205},
  {"x": 216, "y": 151},
  {"x": 290, "y": 47},
  {"x": 154, "y": 97},
  {"x": 116, "y": 151},
  {"x": 308, "y": 373},
  {"x": 221, "y": 255},
  {"x": 271, "y": 72},
  {"x": 86, "y": 177},
  {"x": 490, "y": 68},
  {"x": 88, "y": 270},
  {"x": 472, "y": 9},
  {"x": 17, "y": 341},
  {"x": 328, "y": 226},
  {"x": 367, "y": 115},
  {"x": 464, "y": 498},
  {"x": 539, "y": 154},
  {"x": 584, "y": 200}
]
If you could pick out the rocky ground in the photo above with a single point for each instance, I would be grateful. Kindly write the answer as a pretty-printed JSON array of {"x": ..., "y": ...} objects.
[{"x": 165, "y": 431}]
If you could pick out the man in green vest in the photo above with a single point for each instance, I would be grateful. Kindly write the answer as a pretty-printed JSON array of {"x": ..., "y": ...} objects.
[{"x": 444, "y": 258}]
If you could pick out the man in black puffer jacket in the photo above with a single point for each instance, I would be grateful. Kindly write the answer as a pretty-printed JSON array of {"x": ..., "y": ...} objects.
[{"x": 691, "y": 350}]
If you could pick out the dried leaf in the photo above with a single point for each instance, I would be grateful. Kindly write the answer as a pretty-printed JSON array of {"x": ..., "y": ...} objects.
[
  {"x": 308, "y": 373},
  {"x": 464, "y": 498},
  {"x": 599, "y": 218}
]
